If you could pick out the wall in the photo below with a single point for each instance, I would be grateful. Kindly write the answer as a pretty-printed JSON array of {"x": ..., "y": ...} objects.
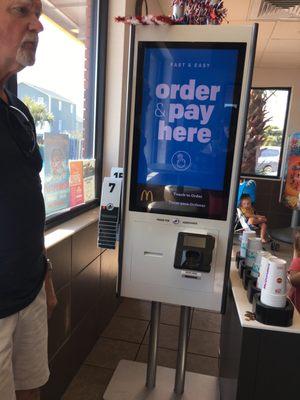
[
  {"x": 268, "y": 191},
  {"x": 117, "y": 62},
  {"x": 85, "y": 283},
  {"x": 283, "y": 78},
  {"x": 116, "y": 81}
]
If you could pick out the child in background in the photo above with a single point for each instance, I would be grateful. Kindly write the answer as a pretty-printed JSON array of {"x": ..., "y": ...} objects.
[
  {"x": 294, "y": 273},
  {"x": 252, "y": 218}
]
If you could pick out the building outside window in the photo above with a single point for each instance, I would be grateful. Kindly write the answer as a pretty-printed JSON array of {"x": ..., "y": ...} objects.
[
  {"x": 59, "y": 91},
  {"x": 265, "y": 134}
]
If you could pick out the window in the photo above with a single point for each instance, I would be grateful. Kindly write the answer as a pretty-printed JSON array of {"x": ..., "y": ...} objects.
[
  {"x": 266, "y": 125},
  {"x": 66, "y": 123}
]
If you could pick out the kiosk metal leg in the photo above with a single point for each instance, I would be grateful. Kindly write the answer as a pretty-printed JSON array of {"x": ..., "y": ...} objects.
[
  {"x": 185, "y": 316},
  {"x": 153, "y": 343}
]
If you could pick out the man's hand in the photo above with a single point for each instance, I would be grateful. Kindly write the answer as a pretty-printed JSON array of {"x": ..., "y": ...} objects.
[{"x": 50, "y": 294}]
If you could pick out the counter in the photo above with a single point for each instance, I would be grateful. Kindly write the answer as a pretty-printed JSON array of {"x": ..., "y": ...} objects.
[
  {"x": 243, "y": 305},
  {"x": 69, "y": 228},
  {"x": 257, "y": 361}
]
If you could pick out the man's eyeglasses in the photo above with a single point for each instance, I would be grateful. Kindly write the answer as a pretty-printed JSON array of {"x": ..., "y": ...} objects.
[{"x": 22, "y": 130}]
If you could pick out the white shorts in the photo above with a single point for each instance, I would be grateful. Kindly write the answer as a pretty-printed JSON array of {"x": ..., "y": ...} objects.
[{"x": 23, "y": 349}]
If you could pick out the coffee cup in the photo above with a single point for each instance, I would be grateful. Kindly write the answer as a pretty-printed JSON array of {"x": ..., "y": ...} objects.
[
  {"x": 254, "y": 245},
  {"x": 244, "y": 242}
]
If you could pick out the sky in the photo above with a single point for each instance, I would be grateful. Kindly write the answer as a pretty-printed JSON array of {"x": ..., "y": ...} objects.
[
  {"x": 59, "y": 64},
  {"x": 276, "y": 107}
]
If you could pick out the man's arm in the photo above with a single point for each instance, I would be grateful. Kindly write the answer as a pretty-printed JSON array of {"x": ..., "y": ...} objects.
[{"x": 50, "y": 292}]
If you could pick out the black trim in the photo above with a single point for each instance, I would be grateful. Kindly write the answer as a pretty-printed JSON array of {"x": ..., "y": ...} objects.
[
  {"x": 127, "y": 140},
  {"x": 239, "y": 163},
  {"x": 102, "y": 19},
  {"x": 278, "y": 176},
  {"x": 135, "y": 204}
]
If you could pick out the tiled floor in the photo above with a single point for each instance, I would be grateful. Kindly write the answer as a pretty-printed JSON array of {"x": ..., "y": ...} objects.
[{"x": 126, "y": 337}]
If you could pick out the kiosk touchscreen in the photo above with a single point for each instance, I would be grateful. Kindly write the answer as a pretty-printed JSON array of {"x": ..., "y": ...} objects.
[{"x": 188, "y": 111}]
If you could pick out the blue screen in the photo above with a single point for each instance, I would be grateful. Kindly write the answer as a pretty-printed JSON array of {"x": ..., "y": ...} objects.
[
  {"x": 187, "y": 101},
  {"x": 186, "y": 112}
]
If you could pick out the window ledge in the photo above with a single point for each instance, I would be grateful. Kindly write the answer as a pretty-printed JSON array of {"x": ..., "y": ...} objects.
[{"x": 61, "y": 232}]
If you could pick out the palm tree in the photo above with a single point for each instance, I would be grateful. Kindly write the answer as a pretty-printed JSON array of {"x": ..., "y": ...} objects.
[
  {"x": 257, "y": 121},
  {"x": 38, "y": 111}
]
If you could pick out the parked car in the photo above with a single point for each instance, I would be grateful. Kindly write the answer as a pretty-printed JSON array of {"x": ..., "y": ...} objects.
[{"x": 268, "y": 160}]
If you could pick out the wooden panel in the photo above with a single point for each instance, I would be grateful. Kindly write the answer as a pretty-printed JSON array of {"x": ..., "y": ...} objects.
[
  {"x": 278, "y": 373},
  {"x": 84, "y": 248},
  {"x": 108, "y": 281},
  {"x": 68, "y": 360},
  {"x": 230, "y": 350},
  {"x": 248, "y": 364},
  {"x": 85, "y": 291},
  {"x": 267, "y": 203},
  {"x": 60, "y": 255},
  {"x": 239, "y": 351},
  {"x": 60, "y": 322}
]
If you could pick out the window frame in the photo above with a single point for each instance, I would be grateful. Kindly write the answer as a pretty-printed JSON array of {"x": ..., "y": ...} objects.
[
  {"x": 97, "y": 72},
  {"x": 278, "y": 176}
]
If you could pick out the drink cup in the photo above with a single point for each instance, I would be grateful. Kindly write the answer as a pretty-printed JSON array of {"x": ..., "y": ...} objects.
[
  {"x": 264, "y": 263},
  {"x": 273, "y": 293},
  {"x": 254, "y": 245},
  {"x": 246, "y": 235},
  {"x": 257, "y": 263}
]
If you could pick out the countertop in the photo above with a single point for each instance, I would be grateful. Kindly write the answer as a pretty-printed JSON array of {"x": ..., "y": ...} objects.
[
  {"x": 243, "y": 305},
  {"x": 63, "y": 231}
]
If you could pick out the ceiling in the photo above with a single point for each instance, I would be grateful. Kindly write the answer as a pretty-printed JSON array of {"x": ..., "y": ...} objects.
[
  {"x": 70, "y": 14},
  {"x": 278, "y": 41}
]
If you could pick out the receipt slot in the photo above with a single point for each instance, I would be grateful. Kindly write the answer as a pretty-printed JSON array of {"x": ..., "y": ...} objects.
[{"x": 194, "y": 252}]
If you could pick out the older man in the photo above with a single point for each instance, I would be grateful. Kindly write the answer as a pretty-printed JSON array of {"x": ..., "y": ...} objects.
[{"x": 25, "y": 277}]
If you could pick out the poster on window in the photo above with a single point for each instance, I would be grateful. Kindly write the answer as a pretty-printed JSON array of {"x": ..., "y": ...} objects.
[
  {"x": 76, "y": 182},
  {"x": 89, "y": 179},
  {"x": 56, "y": 172},
  {"x": 291, "y": 181}
]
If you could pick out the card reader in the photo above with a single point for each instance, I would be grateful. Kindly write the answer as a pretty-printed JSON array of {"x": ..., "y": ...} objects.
[{"x": 194, "y": 252}]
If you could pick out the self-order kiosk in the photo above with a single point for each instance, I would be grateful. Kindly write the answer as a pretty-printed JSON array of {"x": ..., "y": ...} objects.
[{"x": 188, "y": 106}]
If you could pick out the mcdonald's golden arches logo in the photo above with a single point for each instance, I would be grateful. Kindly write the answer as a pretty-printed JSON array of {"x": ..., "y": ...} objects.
[{"x": 147, "y": 195}]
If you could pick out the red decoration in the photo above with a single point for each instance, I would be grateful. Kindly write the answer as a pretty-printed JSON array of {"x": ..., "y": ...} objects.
[
  {"x": 147, "y": 20},
  {"x": 197, "y": 12},
  {"x": 203, "y": 12}
]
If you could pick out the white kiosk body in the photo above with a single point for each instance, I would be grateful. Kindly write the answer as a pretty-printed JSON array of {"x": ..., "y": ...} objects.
[{"x": 188, "y": 114}]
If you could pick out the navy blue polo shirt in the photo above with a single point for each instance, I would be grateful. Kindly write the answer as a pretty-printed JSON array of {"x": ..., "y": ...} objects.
[{"x": 22, "y": 217}]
